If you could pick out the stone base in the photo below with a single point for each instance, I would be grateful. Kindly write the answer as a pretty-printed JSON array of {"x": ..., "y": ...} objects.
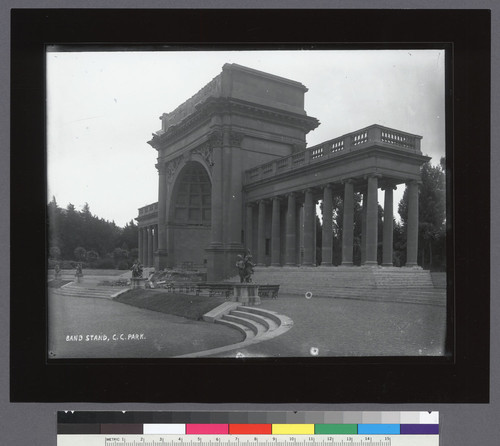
[
  {"x": 160, "y": 259},
  {"x": 246, "y": 293},
  {"x": 138, "y": 282}
]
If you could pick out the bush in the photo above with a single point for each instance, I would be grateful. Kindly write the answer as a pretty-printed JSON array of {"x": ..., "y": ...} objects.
[
  {"x": 123, "y": 264},
  {"x": 105, "y": 263}
]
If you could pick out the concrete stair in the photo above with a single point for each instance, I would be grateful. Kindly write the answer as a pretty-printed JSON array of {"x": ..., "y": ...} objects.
[
  {"x": 78, "y": 290},
  {"x": 391, "y": 284},
  {"x": 254, "y": 323}
]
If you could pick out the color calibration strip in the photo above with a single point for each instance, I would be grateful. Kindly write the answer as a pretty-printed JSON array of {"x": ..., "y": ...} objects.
[{"x": 248, "y": 423}]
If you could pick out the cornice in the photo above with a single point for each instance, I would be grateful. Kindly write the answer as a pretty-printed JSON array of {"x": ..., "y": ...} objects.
[{"x": 218, "y": 106}]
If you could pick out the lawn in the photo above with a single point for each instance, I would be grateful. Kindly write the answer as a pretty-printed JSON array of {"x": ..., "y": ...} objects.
[{"x": 184, "y": 305}]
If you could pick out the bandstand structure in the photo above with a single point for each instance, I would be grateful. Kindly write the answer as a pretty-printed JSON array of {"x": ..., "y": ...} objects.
[{"x": 235, "y": 174}]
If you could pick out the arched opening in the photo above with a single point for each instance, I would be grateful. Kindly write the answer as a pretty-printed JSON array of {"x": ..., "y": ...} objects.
[
  {"x": 193, "y": 198},
  {"x": 190, "y": 216}
]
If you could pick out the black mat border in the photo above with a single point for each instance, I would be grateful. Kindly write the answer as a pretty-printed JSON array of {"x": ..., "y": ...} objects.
[{"x": 465, "y": 379}]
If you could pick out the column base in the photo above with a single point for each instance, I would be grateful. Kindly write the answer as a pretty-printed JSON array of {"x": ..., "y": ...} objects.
[
  {"x": 412, "y": 265},
  {"x": 370, "y": 263},
  {"x": 275, "y": 264},
  {"x": 347, "y": 264},
  {"x": 387, "y": 264},
  {"x": 160, "y": 259},
  {"x": 326, "y": 264}
]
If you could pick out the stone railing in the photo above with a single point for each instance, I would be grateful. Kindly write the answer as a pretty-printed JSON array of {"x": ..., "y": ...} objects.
[
  {"x": 363, "y": 138},
  {"x": 149, "y": 209}
]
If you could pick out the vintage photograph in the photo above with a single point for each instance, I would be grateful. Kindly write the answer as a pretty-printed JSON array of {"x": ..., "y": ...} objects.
[{"x": 246, "y": 204}]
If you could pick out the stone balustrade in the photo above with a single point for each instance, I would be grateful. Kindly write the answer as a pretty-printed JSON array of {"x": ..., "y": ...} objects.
[
  {"x": 150, "y": 209},
  {"x": 367, "y": 137}
]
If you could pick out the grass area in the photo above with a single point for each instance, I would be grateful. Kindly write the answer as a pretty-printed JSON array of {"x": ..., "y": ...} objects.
[{"x": 184, "y": 305}]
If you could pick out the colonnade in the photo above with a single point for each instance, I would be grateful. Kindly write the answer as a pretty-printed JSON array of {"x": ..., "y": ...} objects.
[
  {"x": 148, "y": 244},
  {"x": 300, "y": 225}
]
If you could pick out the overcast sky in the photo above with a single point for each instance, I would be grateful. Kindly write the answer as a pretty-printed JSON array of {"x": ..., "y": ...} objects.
[{"x": 103, "y": 107}]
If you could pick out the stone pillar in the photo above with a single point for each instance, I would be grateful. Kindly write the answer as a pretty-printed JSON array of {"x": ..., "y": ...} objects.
[
  {"x": 372, "y": 222},
  {"x": 348, "y": 223},
  {"x": 275, "y": 233},
  {"x": 412, "y": 225},
  {"x": 327, "y": 234},
  {"x": 155, "y": 238},
  {"x": 249, "y": 227},
  {"x": 261, "y": 235},
  {"x": 215, "y": 253},
  {"x": 309, "y": 215},
  {"x": 145, "y": 246},
  {"x": 139, "y": 254},
  {"x": 290, "y": 231},
  {"x": 362, "y": 246},
  {"x": 217, "y": 194},
  {"x": 161, "y": 251},
  {"x": 150, "y": 246},
  {"x": 388, "y": 226}
]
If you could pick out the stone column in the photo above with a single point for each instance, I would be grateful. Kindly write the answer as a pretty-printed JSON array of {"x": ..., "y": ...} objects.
[
  {"x": 348, "y": 223},
  {"x": 388, "y": 226},
  {"x": 412, "y": 225},
  {"x": 161, "y": 251},
  {"x": 217, "y": 194},
  {"x": 372, "y": 222},
  {"x": 327, "y": 234},
  {"x": 290, "y": 231},
  {"x": 261, "y": 234},
  {"x": 275, "y": 233},
  {"x": 155, "y": 238},
  {"x": 362, "y": 246},
  {"x": 150, "y": 246},
  {"x": 145, "y": 246},
  {"x": 249, "y": 227},
  {"x": 309, "y": 215},
  {"x": 139, "y": 254}
]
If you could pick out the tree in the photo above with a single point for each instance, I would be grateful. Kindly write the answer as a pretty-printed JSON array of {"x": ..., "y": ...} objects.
[
  {"x": 54, "y": 252},
  {"x": 80, "y": 254},
  {"x": 431, "y": 215}
]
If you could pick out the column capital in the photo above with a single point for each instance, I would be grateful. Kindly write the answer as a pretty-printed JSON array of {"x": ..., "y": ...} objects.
[
  {"x": 235, "y": 138},
  {"x": 291, "y": 194},
  {"x": 277, "y": 198},
  {"x": 327, "y": 186},
  {"x": 372, "y": 175},
  {"x": 389, "y": 187},
  {"x": 250, "y": 204},
  {"x": 347, "y": 181}
]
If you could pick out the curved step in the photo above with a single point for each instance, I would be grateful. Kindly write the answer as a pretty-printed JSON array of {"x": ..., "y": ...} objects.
[
  {"x": 257, "y": 328},
  {"x": 268, "y": 323},
  {"x": 247, "y": 332},
  {"x": 256, "y": 324}
]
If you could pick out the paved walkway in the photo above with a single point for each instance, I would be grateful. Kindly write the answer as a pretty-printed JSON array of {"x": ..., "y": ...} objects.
[
  {"x": 101, "y": 328},
  {"x": 345, "y": 327}
]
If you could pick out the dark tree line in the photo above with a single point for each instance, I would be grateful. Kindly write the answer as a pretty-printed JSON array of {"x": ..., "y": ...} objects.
[
  {"x": 432, "y": 224},
  {"x": 79, "y": 236}
]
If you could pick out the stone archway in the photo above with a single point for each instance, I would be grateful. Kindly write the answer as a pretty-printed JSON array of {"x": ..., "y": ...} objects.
[{"x": 189, "y": 216}]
